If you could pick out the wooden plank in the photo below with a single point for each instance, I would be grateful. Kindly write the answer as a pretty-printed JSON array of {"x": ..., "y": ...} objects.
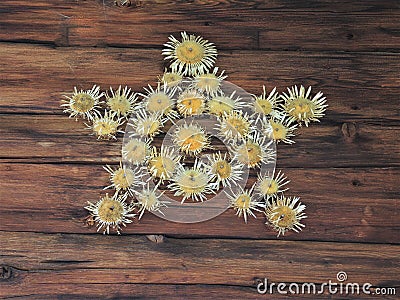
[
  {"x": 60, "y": 139},
  {"x": 66, "y": 259},
  {"x": 342, "y": 204},
  {"x": 241, "y": 24},
  {"x": 357, "y": 86}
]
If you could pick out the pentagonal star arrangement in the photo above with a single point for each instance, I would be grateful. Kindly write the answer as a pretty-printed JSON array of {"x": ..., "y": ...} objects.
[{"x": 190, "y": 87}]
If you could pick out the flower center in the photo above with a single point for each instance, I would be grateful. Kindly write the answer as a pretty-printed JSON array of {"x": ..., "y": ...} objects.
[
  {"x": 163, "y": 166},
  {"x": 191, "y": 106},
  {"x": 193, "y": 182},
  {"x": 207, "y": 82},
  {"x": 250, "y": 154},
  {"x": 243, "y": 201},
  {"x": 159, "y": 102},
  {"x": 284, "y": 216},
  {"x": 269, "y": 186},
  {"x": 223, "y": 169},
  {"x": 123, "y": 178},
  {"x": 301, "y": 106},
  {"x": 111, "y": 210},
  {"x": 120, "y": 104},
  {"x": 82, "y": 102},
  {"x": 220, "y": 105},
  {"x": 190, "y": 52},
  {"x": 263, "y": 106},
  {"x": 136, "y": 151},
  {"x": 279, "y": 131},
  {"x": 238, "y": 125},
  {"x": 105, "y": 127}
]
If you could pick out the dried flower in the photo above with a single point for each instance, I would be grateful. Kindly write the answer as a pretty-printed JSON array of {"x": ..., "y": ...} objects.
[
  {"x": 301, "y": 107},
  {"x": 121, "y": 101},
  {"x": 190, "y": 102},
  {"x": 265, "y": 106},
  {"x": 172, "y": 79},
  {"x": 190, "y": 56},
  {"x": 194, "y": 182},
  {"x": 285, "y": 213},
  {"x": 82, "y": 103},
  {"x": 160, "y": 101},
  {"x": 209, "y": 83},
  {"x": 191, "y": 138},
  {"x": 106, "y": 127},
  {"x": 163, "y": 164},
  {"x": 111, "y": 212},
  {"x": 244, "y": 203},
  {"x": 136, "y": 151},
  {"x": 223, "y": 170},
  {"x": 234, "y": 125},
  {"x": 280, "y": 129},
  {"x": 268, "y": 186},
  {"x": 148, "y": 199},
  {"x": 124, "y": 178},
  {"x": 254, "y": 151},
  {"x": 220, "y": 104},
  {"x": 146, "y": 124}
]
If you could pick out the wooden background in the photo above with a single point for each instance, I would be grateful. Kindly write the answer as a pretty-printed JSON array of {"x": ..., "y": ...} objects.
[{"x": 346, "y": 169}]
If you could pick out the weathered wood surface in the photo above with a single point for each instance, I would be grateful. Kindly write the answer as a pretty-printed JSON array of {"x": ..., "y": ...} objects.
[
  {"x": 358, "y": 86},
  {"x": 42, "y": 260},
  {"x": 293, "y": 25},
  {"x": 346, "y": 169},
  {"x": 329, "y": 144},
  {"x": 342, "y": 204}
]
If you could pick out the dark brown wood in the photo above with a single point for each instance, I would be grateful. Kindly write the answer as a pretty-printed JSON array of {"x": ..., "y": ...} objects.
[
  {"x": 346, "y": 169},
  {"x": 336, "y": 25},
  {"x": 342, "y": 204},
  {"x": 357, "y": 86},
  {"x": 42, "y": 260},
  {"x": 329, "y": 144}
]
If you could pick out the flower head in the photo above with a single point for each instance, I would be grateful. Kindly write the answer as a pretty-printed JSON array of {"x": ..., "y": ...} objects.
[
  {"x": 148, "y": 199},
  {"x": 269, "y": 186},
  {"x": 146, "y": 124},
  {"x": 190, "y": 56},
  {"x": 121, "y": 101},
  {"x": 106, "y": 127},
  {"x": 244, "y": 203},
  {"x": 285, "y": 213},
  {"x": 234, "y": 125},
  {"x": 220, "y": 104},
  {"x": 223, "y": 170},
  {"x": 194, "y": 182},
  {"x": 301, "y": 107},
  {"x": 124, "y": 178},
  {"x": 111, "y": 212},
  {"x": 83, "y": 103},
  {"x": 162, "y": 164},
  {"x": 160, "y": 101},
  {"x": 280, "y": 129},
  {"x": 191, "y": 138},
  {"x": 136, "y": 151},
  {"x": 190, "y": 102},
  {"x": 209, "y": 83},
  {"x": 172, "y": 79},
  {"x": 265, "y": 105},
  {"x": 254, "y": 151}
]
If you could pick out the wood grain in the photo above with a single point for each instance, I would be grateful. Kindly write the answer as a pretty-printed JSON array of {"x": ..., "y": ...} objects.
[
  {"x": 357, "y": 86},
  {"x": 346, "y": 169},
  {"x": 342, "y": 204},
  {"x": 137, "y": 260},
  {"x": 58, "y": 138},
  {"x": 337, "y": 25}
]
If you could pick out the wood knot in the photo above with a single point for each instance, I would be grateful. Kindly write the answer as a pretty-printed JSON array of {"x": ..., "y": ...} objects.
[
  {"x": 349, "y": 130},
  {"x": 158, "y": 239},
  {"x": 5, "y": 272},
  {"x": 123, "y": 3}
]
